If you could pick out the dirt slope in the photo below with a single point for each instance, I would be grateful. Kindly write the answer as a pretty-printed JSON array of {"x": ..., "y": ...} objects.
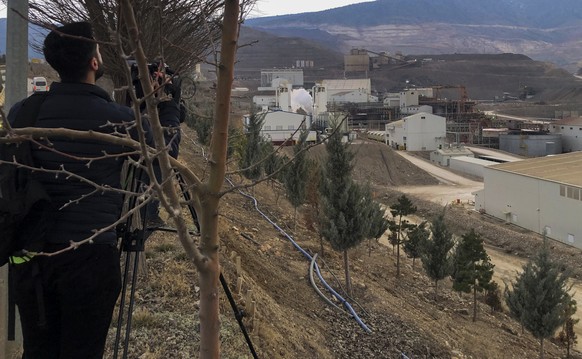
[{"x": 291, "y": 321}]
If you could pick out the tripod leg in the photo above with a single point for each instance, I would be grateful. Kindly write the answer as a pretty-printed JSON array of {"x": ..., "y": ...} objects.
[
  {"x": 121, "y": 304},
  {"x": 131, "y": 303}
]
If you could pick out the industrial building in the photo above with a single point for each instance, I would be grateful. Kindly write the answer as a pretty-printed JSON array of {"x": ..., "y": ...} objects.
[
  {"x": 443, "y": 156},
  {"x": 358, "y": 60},
  {"x": 342, "y": 91},
  {"x": 571, "y": 131},
  {"x": 542, "y": 194},
  {"x": 272, "y": 78},
  {"x": 284, "y": 127},
  {"x": 471, "y": 166},
  {"x": 418, "y": 132},
  {"x": 530, "y": 143}
]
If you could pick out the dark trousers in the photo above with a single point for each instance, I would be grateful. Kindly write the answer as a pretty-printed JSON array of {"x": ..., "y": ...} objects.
[{"x": 79, "y": 291}]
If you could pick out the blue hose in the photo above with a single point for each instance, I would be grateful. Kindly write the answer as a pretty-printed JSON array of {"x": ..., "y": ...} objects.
[{"x": 308, "y": 256}]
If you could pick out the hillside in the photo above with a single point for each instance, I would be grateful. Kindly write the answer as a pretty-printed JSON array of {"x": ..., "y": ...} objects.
[
  {"x": 544, "y": 30},
  {"x": 484, "y": 75},
  {"x": 291, "y": 321}
]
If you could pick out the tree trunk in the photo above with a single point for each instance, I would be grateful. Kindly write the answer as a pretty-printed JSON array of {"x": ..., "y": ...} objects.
[
  {"x": 209, "y": 243},
  {"x": 295, "y": 219},
  {"x": 347, "y": 272},
  {"x": 474, "y": 303},
  {"x": 398, "y": 247},
  {"x": 398, "y": 259}
]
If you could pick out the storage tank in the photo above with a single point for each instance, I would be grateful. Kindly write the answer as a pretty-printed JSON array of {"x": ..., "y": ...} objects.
[{"x": 531, "y": 144}]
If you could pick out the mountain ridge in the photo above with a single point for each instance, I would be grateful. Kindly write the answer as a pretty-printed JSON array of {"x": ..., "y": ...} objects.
[
  {"x": 545, "y": 31},
  {"x": 35, "y": 33}
]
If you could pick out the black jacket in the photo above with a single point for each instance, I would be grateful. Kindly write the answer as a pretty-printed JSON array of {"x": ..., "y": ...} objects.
[{"x": 80, "y": 209}]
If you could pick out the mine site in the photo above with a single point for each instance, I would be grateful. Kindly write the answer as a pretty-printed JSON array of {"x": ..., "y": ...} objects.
[{"x": 404, "y": 183}]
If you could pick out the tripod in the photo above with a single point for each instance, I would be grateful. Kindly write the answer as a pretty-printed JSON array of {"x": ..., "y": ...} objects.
[{"x": 133, "y": 244}]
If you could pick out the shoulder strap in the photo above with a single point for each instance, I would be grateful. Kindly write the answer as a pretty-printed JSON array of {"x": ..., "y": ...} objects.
[{"x": 28, "y": 112}]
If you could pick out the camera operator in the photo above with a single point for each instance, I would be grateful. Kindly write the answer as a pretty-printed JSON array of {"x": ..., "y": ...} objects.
[
  {"x": 66, "y": 301},
  {"x": 161, "y": 76}
]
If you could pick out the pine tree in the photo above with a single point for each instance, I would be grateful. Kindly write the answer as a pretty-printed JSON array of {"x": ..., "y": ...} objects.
[
  {"x": 378, "y": 223},
  {"x": 296, "y": 178},
  {"x": 436, "y": 257},
  {"x": 568, "y": 336},
  {"x": 254, "y": 149},
  {"x": 403, "y": 207},
  {"x": 273, "y": 162},
  {"x": 539, "y": 298},
  {"x": 345, "y": 205},
  {"x": 472, "y": 267},
  {"x": 416, "y": 241},
  {"x": 313, "y": 199}
]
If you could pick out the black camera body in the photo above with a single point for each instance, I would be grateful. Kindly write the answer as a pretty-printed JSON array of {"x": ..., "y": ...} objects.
[{"x": 154, "y": 69}]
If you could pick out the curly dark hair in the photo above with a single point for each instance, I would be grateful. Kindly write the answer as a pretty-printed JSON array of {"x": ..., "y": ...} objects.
[{"x": 70, "y": 55}]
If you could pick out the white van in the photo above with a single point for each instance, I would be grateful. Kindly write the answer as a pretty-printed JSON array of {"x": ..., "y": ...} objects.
[{"x": 39, "y": 84}]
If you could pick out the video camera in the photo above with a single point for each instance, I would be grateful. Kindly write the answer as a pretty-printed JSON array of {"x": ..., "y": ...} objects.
[
  {"x": 154, "y": 70},
  {"x": 172, "y": 88}
]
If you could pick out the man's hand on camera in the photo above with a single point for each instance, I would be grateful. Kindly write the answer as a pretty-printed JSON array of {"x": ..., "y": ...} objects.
[{"x": 159, "y": 85}]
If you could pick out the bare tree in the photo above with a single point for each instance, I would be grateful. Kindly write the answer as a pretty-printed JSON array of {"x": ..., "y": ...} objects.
[{"x": 181, "y": 32}]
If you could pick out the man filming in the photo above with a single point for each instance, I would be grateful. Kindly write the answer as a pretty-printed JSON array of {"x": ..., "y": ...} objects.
[{"x": 66, "y": 301}]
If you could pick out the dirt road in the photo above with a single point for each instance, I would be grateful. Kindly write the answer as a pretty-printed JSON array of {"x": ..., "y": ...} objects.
[{"x": 452, "y": 187}]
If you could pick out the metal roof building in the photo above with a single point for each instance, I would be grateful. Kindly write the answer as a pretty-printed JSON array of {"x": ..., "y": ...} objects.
[{"x": 543, "y": 195}]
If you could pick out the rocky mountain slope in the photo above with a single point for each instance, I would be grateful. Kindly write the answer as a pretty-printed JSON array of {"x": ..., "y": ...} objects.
[{"x": 544, "y": 30}]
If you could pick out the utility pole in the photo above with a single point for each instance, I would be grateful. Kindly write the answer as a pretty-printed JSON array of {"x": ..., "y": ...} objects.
[{"x": 16, "y": 90}]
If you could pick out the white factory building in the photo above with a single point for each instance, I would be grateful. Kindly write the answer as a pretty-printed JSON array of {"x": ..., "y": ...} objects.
[
  {"x": 341, "y": 91},
  {"x": 418, "y": 132},
  {"x": 408, "y": 100},
  {"x": 541, "y": 194},
  {"x": 284, "y": 127},
  {"x": 571, "y": 132}
]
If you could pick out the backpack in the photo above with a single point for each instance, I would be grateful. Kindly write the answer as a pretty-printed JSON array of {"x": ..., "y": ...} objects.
[{"x": 24, "y": 203}]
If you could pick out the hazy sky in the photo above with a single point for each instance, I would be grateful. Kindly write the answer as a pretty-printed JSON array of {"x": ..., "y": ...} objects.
[
  {"x": 279, "y": 7},
  {"x": 283, "y": 7}
]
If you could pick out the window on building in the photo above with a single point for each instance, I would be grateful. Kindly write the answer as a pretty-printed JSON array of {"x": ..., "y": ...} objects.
[
  {"x": 562, "y": 127},
  {"x": 404, "y": 138},
  {"x": 573, "y": 193},
  {"x": 570, "y": 238},
  {"x": 547, "y": 230},
  {"x": 279, "y": 128},
  {"x": 571, "y": 128},
  {"x": 422, "y": 117},
  {"x": 562, "y": 190}
]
